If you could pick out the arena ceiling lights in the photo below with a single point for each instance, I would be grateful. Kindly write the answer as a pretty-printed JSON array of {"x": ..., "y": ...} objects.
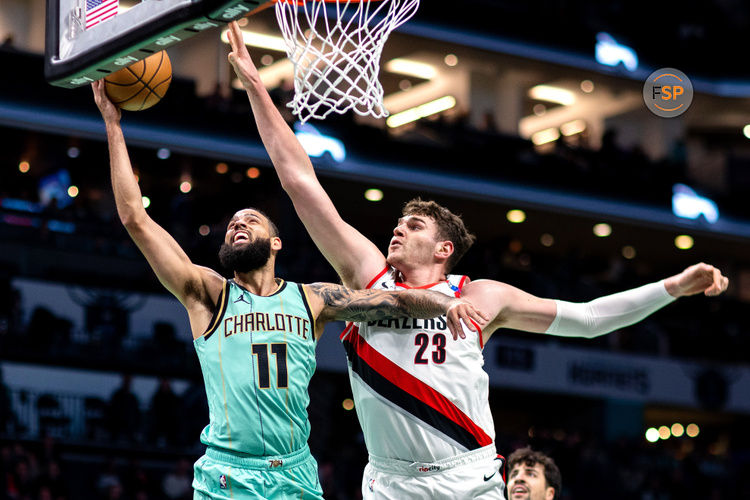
[
  {"x": 408, "y": 67},
  {"x": 260, "y": 40},
  {"x": 552, "y": 94}
]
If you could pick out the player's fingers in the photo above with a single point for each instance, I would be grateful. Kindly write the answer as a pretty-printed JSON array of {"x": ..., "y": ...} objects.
[
  {"x": 715, "y": 287},
  {"x": 451, "y": 326},
  {"x": 96, "y": 87},
  {"x": 469, "y": 320},
  {"x": 718, "y": 278},
  {"x": 479, "y": 315},
  {"x": 238, "y": 45},
  {"x": 234, "y": 35},
  {"x": 461, "y": 320},
  {"x": 456, "y": 328}
]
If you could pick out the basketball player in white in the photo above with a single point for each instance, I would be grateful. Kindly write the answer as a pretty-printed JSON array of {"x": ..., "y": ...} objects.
[{"x": 422, "y": 396}]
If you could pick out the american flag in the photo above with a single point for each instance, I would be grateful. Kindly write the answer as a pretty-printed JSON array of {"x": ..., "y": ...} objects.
[{"x": 100, "y": 10}]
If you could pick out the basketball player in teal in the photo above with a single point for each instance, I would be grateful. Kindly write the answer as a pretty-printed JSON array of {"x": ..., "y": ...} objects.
[{"x": 255, "y": 336}]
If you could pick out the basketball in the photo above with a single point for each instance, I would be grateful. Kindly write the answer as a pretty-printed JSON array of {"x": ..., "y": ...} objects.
[{"x": 140, "y": 85}]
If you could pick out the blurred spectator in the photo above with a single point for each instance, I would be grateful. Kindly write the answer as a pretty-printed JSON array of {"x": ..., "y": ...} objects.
[
  {"x": 487, "y": 123},
  {"x": 109, "y": 483},
  {"x": 50, "y": 332},
  {"x": 8, "y": 422},
  {"x": 136, "y": 480},
  {"x": 20, "y": 481},
  {"x": 219, "y": 100},
  {"x": 53, "y": 482},
  {"x": 114, "y": 492},
  {"x": 194, "y": 404},
  {"x": 177, "y": 484},
  {"x": 124, "y": 412},
  {"x": 165, "y": 415}
]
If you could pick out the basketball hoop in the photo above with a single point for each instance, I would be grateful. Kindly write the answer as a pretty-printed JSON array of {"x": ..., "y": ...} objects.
[{"x": 336, "y": 52}]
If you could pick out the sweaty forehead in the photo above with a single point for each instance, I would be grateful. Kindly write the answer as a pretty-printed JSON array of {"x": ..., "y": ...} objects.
[
  {"x": 247, "y": 212},
  {"x": 537, "y": 466},
  {"x": 415, "y": 217}
]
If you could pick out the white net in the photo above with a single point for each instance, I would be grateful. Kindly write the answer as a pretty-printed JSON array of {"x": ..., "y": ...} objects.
[{"x": 335, "y": 46}]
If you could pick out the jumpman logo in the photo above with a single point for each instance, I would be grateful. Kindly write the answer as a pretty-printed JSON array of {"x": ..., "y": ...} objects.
[{"x": 241, "y": 298}]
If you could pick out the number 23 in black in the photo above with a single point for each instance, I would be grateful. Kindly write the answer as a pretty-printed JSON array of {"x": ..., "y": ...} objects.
[
  {"x": 264, "y": 376},
  {"x": 422, "y": 340}
]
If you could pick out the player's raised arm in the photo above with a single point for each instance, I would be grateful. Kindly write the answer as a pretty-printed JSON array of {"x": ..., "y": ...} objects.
[
  {"x": 335, "y": 302},
  {"x": 512, "y": 308},
  {"x": 172, "y": 266},
  {"x": 356, "y": 259}
]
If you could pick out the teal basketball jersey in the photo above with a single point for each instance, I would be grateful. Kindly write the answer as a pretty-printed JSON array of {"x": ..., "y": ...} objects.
[{"x": 257, "y": 358}]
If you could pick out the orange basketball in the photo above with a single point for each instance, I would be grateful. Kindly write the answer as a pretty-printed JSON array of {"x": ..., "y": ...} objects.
[{"x": 140, "y": 85}]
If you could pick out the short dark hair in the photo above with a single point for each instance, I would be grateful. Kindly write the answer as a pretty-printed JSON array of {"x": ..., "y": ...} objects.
[
  {"x": 527, "y": 456},
  {"x": 450, "y": 227}
]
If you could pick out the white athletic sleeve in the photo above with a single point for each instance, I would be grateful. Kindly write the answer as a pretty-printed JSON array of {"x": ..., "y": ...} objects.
[{"x": 609, "y": 313}]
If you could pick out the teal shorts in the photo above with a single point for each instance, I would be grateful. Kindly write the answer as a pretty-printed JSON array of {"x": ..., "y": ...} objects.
[{"x": 221, "y": 474}]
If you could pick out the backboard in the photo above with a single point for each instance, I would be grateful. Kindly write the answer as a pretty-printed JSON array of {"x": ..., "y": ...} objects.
[{"x": 75, "y": 56}]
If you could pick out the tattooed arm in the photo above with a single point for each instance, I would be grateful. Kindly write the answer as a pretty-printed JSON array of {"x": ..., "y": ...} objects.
[{"x": 336, "y": 302}]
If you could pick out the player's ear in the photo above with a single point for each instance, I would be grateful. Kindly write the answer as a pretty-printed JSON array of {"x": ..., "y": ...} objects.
[
  {"x": 276, "y": 243},
  {"x": 444, "y": 249},
  {"x": 550, "y": 493}
]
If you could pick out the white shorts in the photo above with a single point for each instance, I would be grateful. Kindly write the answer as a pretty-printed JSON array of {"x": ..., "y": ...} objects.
[{"x": 472, "y": 475}]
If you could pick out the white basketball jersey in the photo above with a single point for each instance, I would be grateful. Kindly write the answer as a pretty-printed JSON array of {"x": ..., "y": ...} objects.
[{"x": 420, "y": 395}]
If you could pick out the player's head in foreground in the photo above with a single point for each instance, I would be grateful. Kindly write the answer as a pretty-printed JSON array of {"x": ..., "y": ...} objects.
[
  {"x": 251, "y": 242},
  {"x": 533, "y": 476},
  {"x": 428, "y": 235}
]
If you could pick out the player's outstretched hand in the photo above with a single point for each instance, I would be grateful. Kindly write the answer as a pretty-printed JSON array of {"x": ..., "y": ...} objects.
[
  {"x": 239, "y": 57},
  {"x": 463, "y": 311},
  {"x": 699, "y": 278},
  {"x": 109, "y": 111}
]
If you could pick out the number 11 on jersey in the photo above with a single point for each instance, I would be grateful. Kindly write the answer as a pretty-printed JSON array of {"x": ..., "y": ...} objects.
[{"x": 264, "y": 375}]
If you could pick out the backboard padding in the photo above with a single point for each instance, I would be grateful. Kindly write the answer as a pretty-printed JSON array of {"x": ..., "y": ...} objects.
[{"x": 75, "y": 57}]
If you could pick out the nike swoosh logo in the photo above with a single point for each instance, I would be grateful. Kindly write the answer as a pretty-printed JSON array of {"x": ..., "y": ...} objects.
[{"x": 487, "y": 478}]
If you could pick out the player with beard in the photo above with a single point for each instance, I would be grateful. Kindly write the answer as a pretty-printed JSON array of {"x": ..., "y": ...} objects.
[
  {"x": 422, "y": 399},
  {"x": 255, "y": 337}
]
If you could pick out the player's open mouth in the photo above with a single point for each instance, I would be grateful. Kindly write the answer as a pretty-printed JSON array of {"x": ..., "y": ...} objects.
[
  {"x": 240, "y": 238},
  {"x": 518, "y": 490}
]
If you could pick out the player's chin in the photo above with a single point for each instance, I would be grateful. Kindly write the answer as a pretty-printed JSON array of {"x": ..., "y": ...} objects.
[{"x": 393, "y": 258}]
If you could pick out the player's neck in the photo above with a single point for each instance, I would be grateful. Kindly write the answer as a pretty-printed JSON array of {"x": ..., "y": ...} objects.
[
  {"x": 421, "y": 276},
  {"x": 260, "y": 281}
]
